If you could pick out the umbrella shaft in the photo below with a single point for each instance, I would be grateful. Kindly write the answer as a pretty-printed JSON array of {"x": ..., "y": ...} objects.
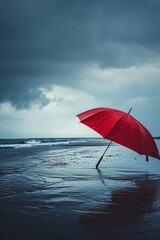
[{"x": 103, "y": 154}]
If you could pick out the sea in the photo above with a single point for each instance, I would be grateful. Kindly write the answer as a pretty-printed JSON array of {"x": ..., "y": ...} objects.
[{"x": 52, "y": 190}]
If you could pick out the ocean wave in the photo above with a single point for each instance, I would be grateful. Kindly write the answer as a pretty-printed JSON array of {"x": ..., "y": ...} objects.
[
  {"x": 19, "y": 143},
  {"x": 35, "y": 142}
]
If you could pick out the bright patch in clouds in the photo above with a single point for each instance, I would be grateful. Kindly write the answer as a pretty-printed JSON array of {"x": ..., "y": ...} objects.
[
  {"x": 56, "y": 119},
  {"x": 136, "y": 87}
]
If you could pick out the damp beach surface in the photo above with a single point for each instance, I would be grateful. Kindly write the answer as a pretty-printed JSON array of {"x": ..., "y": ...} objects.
[{"x": 53, "y": 191}]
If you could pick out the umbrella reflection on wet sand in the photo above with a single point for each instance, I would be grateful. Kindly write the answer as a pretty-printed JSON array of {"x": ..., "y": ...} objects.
[{"x": 127, "y": 206}]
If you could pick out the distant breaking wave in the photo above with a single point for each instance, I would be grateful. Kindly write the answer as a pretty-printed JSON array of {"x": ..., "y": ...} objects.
[
  {"x": 35, "y": 142},
  {"x": 21, "y": 143}
]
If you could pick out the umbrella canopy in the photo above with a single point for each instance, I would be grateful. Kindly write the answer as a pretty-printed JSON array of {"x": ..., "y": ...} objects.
[{"x": 122, "y": 128}]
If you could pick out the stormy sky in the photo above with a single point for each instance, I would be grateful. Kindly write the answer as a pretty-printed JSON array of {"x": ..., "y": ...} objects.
[{"x": 61, "y": 57}]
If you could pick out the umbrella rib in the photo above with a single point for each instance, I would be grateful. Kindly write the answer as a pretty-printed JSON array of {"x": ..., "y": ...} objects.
[
  {"x": 115, "y": 125},
  {"x": 140, "y": 134},
  {"x": 139, "y": 125},
  {"x": 93, "y": 114},
  {"x": 146, "y": 138}
]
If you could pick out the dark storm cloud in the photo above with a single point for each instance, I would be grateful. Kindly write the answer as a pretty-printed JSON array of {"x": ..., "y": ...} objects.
[{"x": 46, "y": 42}]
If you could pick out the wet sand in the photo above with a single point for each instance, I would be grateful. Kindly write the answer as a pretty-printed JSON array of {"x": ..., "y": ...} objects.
[{"x": 59, "y": 194}]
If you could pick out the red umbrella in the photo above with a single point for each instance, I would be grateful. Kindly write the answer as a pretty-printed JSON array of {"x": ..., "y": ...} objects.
[{"x": 122, "y": 128}]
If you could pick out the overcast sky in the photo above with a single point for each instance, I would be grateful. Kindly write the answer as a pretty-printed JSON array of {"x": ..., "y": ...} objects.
[{"x": 61, "y": 57}]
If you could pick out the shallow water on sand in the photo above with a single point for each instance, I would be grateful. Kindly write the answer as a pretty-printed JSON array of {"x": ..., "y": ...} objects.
[{"x": 59, "y": 194}]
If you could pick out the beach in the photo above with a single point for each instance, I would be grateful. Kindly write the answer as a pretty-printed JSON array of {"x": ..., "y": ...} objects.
[{"x": 53, "y": 191}]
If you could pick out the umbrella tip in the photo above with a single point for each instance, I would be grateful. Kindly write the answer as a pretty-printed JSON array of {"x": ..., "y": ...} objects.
[{"x": 130, "y": 110}]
